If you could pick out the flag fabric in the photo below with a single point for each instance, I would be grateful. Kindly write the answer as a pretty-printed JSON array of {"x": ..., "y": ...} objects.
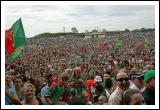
[
  {"x": 9, "y": 42},
  {"x": 146, "y": 41},
  {"x": 14, "y": 40},
  {"x": 18, "y": 34},
  {"x": 16, "y": 54},
  {"x": 119, "y": 43}
]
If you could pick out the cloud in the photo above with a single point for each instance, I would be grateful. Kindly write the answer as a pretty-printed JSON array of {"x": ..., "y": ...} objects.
[{"x": 52, "y": 18}]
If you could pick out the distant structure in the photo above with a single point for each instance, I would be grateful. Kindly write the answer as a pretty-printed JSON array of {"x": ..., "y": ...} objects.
[
  {"x": 64, "y": 29},
  {"x": 94, "y": 35}
]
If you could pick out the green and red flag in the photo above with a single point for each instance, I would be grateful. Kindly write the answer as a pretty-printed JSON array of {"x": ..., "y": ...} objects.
[{"x": 14, "y": 39}]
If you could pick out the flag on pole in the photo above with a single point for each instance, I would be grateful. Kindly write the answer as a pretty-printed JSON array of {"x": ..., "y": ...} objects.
[{"x": 14, "y": 40}]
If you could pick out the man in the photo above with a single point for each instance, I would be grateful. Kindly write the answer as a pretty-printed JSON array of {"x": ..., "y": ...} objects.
[
  {"x": 44, "y": 90},
  {"x": 122, "y": 82},
  {"x": 149, "y": 92},
  {"x": 137, "y": 81}
]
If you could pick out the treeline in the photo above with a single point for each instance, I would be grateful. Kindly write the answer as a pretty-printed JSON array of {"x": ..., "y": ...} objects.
[
  {"x": 47, "y": 35},
  {"x": 127, "y": 30},
  {"x": 67, "y": 34}
]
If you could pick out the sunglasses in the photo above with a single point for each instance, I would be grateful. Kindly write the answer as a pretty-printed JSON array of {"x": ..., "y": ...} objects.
[{"x": 123, "y": 79}]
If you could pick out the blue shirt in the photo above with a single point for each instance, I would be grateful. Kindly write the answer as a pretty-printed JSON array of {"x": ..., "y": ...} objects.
[{"x": 8, "y": 100}]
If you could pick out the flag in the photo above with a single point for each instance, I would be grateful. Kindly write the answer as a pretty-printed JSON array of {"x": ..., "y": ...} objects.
[
  {"x": 18, "y": 34},
  {"x": 119, "y": 43},
  {"x": 9, "y": 42},
  {"x": 146, "y": 41},
  {"x": 16, "y": 54},
  {"x": 14, "y": 40}
]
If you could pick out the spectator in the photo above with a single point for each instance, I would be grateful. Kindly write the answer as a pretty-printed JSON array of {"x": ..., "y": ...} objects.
[
  {"x": 149, "y": 92},
  {"x": 102, "y": 100},
  {"x": 108, "y": 87},
  {"x": 122, "y": 85},
  {"x": 133, "y": 97},
  {"x": 30, "y": 98},
  {"x": 11, "y": 97},
  {"x": 17, "y": 81},
  {"x": 78, "y": 101},
  {"x": 137, "y": 81},
  {"x": 44, "y": 90}
]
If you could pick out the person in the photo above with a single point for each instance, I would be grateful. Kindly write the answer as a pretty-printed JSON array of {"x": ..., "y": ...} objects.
[
  {"x": 18, "y": 83},
  {"x": 11, "y": 97},
  {"x": 65, "y": 80},
  {"x": 44, "y": 90},
  {"x": 78, "y": 101},
  {"x": 98, "y": 92},
  {"x": 98, "y": 80},
  {"x": 122, "y": 82},
  {"x": 30, "y": 98},
  {"x": 102, "y": 100},
  {"x": 149, "y": 92},
  {"x": 133, "y": 97},
  {"x": 108, "y": 87},
  {"x": 76, "y": 82},
  {"x": 137, "y": 81}
]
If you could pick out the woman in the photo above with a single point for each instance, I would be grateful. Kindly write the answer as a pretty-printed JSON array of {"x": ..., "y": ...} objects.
[
  {"x": 11, "y": 97},
  {"x": 76, "y": 82},
  {"x": 133, "y": 97},
  {"x": 17, "y": 81},
  {"x": 29, "y": 93}
]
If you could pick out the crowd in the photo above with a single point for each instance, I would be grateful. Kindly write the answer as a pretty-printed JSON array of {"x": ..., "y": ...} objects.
[{"x": 70, "y": 70}]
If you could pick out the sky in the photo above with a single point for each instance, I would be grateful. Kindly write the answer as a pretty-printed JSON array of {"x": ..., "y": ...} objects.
[{"x": 38, "y": 19}]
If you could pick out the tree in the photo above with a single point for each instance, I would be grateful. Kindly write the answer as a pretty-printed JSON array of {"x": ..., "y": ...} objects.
[
  {"x": 74, "y": 30},
  {"x": 94, "y": 30},
  {"x": 126, "y": 30}
]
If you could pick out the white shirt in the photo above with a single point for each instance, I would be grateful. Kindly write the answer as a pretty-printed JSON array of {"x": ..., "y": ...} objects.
[
  {"x": 116, "y": 97},
  {"x": 107, "y": 93},
  {"x": 133, "y": 86}
]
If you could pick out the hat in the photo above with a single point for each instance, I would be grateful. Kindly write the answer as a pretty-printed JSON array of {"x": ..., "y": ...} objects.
[
  {"x": 97, "y": 79},
  {"x": 136, "y": 75},
  {"x": 149, "y": 74}
]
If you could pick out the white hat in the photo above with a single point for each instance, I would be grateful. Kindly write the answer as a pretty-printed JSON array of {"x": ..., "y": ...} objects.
[{"x": 97, "y": 79}]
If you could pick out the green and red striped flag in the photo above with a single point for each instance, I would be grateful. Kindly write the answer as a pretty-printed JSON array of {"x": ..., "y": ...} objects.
[{"x": 14, "y": 39}]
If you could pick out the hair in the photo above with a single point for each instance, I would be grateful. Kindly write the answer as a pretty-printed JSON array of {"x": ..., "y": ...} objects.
[
  {"x": 17, "y": 77},
  {"x": 27, "y": 85},
  {"x": 75, "y": 70},
  {"x": 127, "y": 95},
  {"x": 108, "y": 83},
  {"x": 99, "y": 88},
  {"x": 78, "y": 101},
  {"x": 64, "y": 77}
]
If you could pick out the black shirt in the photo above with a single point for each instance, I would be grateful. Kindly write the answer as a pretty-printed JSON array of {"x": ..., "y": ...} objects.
[{"x": 149, "y": 96}]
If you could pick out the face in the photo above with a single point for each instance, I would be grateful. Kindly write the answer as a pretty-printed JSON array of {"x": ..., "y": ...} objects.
[
  {"x": 106, "y": 76},
  {"x": 122, "y": 80},
  {"x": 139, "y": 82},
  {"x": 152, "y": 82},
  {"x": 29, "y": 92},
  {"x": 137, "y": 99},
  {"x": 38, "y": 81},
  {"x": 101, "y": 100},
  {"x": 7, "y": 80},
  {"x": 77, "y": 74},
  {"x": 18, "y": 82}
]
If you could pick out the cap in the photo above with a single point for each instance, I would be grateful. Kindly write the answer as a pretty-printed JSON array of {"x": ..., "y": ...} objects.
[
  {"x": 97, "y": 79},
  {"x": 136, "y": 75},
  {"x": 149, "y": 74}
]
